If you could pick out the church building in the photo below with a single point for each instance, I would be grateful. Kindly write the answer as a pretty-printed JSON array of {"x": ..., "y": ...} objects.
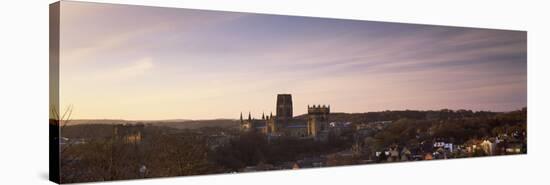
[{"x": 284, "y": 124}]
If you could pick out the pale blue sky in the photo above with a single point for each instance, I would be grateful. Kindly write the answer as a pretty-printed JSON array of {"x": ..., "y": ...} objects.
[{"x": 137, "y": 62}]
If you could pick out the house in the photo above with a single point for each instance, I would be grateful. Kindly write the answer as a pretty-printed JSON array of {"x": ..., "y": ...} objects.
[
  {"x": 393, "y": 155},
  {"x": 488, "y": 147},
  {"x": 513, "y": 148},
  {"x": 218, "y": 140},
  {"x": 406, "y": 154},
  {"x": 428, "y": 156}
]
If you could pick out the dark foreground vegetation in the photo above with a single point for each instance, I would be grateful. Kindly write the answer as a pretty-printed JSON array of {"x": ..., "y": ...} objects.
[{"x": 101, "y": 152}]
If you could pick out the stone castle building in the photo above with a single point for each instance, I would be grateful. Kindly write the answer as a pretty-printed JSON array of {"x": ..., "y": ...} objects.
[{"x": 284, "y": 124}]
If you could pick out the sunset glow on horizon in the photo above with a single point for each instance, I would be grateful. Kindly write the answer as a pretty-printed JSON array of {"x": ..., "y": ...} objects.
[{"x": 150, "y": 63}]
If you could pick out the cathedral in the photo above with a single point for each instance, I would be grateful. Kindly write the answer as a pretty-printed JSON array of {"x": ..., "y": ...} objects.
[{"x": 284, "y": 124}]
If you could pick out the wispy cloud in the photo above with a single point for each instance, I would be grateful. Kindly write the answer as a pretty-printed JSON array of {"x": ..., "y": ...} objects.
[{"x": 136, "y": 68}]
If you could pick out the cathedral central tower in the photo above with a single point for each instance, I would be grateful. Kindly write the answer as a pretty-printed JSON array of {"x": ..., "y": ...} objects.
[{"x": 284, "y": 107}]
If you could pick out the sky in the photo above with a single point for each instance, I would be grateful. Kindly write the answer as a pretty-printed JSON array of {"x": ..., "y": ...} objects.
[{"x": 150, "y": 63}]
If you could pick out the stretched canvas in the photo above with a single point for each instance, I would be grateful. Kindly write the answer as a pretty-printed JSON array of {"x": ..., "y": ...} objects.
[{"x": 144, "y": 92}]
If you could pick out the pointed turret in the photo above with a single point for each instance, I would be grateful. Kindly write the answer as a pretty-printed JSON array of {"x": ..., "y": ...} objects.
[
  {"x": 263, "y": 116},
  {"x": 249, "y": 117}
]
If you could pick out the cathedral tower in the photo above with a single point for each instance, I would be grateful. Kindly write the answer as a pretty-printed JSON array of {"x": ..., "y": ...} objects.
[
  {"x": 317, "y": 119},
  {"x": 284, "y": 107}
]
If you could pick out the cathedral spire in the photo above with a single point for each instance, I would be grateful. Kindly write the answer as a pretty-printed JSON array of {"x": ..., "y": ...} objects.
[
  {"x": 263, "y": 116},
  {"x": 249, "y": 117},
  {"x": 241, "y": 116}
]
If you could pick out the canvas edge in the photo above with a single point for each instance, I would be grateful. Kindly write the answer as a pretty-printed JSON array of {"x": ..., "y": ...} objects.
[{"x": 54, "y": 41}]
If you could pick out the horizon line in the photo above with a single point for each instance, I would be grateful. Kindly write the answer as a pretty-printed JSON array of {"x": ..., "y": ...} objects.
[{"x": 395, "y": 110}]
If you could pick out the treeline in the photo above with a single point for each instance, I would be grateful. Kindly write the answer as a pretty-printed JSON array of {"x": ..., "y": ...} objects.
[
  {"x": 106, "y": 130},
  {"x": 250, "y": 149},
  {"x": 196, "y": 124},
  {"x": 444, "y": 114},
  {"x": 88, "y": 131},
  {"x": 158, "y": 154}
]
